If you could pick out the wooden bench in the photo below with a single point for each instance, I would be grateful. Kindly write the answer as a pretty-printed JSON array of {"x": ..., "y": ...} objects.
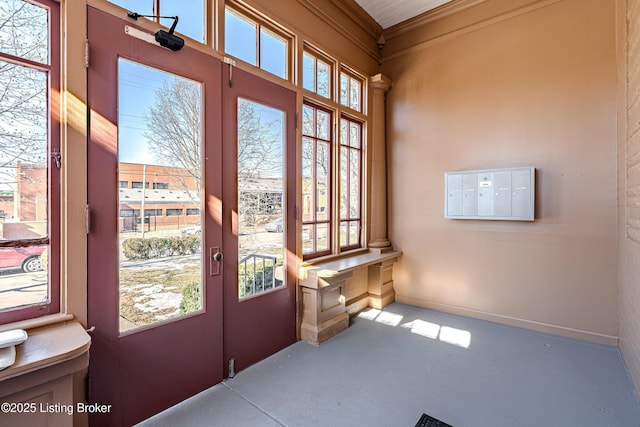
[{"x": 333, "y": 290}]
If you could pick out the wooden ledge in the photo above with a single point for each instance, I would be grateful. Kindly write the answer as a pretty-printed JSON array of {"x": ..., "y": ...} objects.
[
  {"x": 48, "y": 346},
  {"x": 364, "y": 277},
  {"x": 343, "y": 265}
]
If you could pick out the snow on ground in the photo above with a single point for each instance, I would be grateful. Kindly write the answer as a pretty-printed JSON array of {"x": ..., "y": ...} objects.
[{"x": 152, "y": 298}]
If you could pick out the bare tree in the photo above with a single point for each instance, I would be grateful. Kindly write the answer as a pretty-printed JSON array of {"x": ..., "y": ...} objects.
[
  {"x": 260, "y": 147},
  {"x": 174, "y": 132},
  {"x": 174, "y": 126},
  {"x": 260, "y": 161},
  {"x": 23, "y": 89}
]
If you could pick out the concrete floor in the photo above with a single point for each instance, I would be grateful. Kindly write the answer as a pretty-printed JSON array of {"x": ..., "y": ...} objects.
[{"x": 393, "y": 365}]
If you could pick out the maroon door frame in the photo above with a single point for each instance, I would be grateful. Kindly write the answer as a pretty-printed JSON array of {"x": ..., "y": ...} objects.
[
  {"x": 144, "y": 372},
  {"x": 261, "y": 325}
]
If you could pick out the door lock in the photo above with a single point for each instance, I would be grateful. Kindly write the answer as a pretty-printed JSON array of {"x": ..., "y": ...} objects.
[{"x": 215, "y": 258}]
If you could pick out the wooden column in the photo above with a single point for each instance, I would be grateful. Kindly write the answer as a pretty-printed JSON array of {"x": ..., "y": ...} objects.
[
  {"x": 381, "y": 292},
  {"x": 378, "y": 238}
]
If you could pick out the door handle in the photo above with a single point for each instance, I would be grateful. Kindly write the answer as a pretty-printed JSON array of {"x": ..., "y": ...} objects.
[{"x": 215, "y": 258}]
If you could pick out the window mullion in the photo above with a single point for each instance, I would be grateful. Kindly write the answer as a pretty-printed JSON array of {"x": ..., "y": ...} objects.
[
  {"x": 337, "y": 185},
  {"x": 258, "y": 36}
]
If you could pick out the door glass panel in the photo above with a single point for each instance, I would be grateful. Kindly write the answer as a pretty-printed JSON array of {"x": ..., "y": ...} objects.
[
  {"x": 160, "y": 204},
  {"x": 261, "y": 222}
]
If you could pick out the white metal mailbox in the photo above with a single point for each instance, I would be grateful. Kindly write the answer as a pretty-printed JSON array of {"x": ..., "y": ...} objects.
[{"x": 496, "y": 194}]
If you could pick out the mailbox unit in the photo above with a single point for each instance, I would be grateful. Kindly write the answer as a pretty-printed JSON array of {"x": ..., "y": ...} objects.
[{"x": 495, "y": 194}]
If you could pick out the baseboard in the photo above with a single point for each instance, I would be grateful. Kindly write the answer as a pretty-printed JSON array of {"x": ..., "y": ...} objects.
[
  {"x": 512, "y": 321},
  {"x": 357, "y": 304}
]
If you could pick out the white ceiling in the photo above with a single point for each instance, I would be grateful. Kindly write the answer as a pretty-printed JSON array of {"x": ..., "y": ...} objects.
[{"x": 391, "y": 12}]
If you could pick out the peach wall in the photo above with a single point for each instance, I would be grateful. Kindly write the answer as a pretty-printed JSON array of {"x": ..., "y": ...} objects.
[
  {"x": 505, "y": 84},
  {"x": 629, "y": 143}
]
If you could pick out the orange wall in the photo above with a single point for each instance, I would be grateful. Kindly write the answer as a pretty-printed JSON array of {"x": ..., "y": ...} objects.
[{"x": 502, "y": 84}]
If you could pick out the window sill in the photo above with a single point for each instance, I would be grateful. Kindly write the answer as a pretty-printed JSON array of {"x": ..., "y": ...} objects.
[
  {"x": 37, "y": 322},
  {"x": 48, "y": 346},
  {"x": 333, "y": 257},
  {"x": 335, "y": 266}
]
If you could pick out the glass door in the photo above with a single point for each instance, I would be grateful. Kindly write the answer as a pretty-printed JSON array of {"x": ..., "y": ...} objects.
[
  {"x": 155, "y": 197},
  {"x": 259, "y": 190}
]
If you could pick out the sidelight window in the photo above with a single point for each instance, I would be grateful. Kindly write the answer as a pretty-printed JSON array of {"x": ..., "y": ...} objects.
[
  {"x": 317, "y": 141},
  {"x": 30, "y": 159},
  {"x": 350, "y": 183}
]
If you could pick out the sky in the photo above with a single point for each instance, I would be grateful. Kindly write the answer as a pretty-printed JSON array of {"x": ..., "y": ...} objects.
[
  {"x": 137, "y": 86},
  {"x": 190, "y": 13}
]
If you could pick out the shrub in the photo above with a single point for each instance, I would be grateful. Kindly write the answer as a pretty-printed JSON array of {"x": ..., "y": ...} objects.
[
  {"x": 191, "y": 298},
  {"x": 44, "y": 259},
  {"x": 254, "y": 279},
  {"x": 159, "y": 247}
]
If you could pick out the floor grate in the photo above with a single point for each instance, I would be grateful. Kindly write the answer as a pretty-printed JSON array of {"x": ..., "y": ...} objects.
[{"x": 427, "y": 421}]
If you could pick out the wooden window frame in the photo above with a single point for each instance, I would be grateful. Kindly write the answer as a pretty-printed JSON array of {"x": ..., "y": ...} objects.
[
  {"x": 360, "y": 150},
  {"x": 352, "y": 75},
  {"x": 314, "y": 222},
  {"x": 318, "y": 56},
  {"x": 52, "y": 68},
  {"x": 262, "y": 22}
]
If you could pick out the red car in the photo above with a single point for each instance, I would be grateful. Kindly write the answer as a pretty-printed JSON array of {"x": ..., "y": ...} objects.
[{"x": 28, "y": 259}]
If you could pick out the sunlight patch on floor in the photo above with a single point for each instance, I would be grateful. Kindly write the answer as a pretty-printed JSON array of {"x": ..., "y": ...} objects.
[
  {"x": 455, "y": 336},
  {"x": 425, "y": 329},
  {"x": 447, "y": 334},
  {"x": 388, "y": 318}
]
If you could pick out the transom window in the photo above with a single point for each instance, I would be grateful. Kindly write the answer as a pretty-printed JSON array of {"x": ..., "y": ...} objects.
[
  {"x": 30, "y": 159},
  {"x": 256, "y": 42},
  {"x": 350, "y": 90},
  {"x": 317, "y": 73}
]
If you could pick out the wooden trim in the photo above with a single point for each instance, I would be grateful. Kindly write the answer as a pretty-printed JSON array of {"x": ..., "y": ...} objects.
[
  {"x": 441, "y": 12},
  {"x": 37, "y": 322},
  {"x": 341, "y": 29},
  {"x": 24, "y": 243},
  {"x": 364, "y": 21},
  {"x": 47, "y": 347}
]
